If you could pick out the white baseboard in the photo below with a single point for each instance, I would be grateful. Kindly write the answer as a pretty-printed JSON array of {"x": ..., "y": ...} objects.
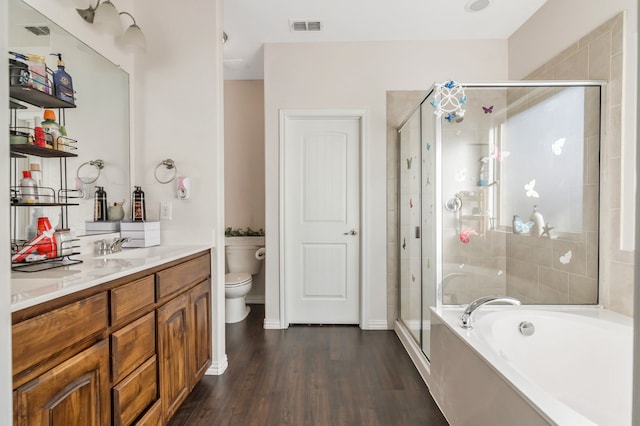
[
  {"x": 217, "y": 368},
  {"x": 255, "y": 300},
  {"x": 414, "y": 351},
  {"x": 377, "y": 325},
  {"x": 272, "y": 324}
]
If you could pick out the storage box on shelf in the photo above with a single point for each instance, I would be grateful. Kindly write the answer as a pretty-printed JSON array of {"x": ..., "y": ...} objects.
[{"x": 23, "y": 91}]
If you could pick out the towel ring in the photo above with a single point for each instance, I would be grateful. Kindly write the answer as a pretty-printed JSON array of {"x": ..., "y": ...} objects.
[
  {"x": 98, "y": 164},
  {"x": 170, "y": 165}
]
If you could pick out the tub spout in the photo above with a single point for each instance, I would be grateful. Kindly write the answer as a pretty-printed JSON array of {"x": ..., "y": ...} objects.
[{"x": 473, "y": 306}]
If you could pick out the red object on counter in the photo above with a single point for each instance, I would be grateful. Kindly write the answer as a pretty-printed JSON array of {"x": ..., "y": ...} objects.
[{"x": 46, "y": 246}]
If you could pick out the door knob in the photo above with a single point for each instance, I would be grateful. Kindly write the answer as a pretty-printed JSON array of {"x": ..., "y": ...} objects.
[{"x": 352, "y": 232}]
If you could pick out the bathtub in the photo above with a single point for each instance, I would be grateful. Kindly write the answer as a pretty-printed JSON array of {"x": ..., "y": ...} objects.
[{"x": 575, "y": 369}]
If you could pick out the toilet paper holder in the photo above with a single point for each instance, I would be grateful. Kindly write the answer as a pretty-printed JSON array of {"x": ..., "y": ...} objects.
[{"x": 261, "y": 253}]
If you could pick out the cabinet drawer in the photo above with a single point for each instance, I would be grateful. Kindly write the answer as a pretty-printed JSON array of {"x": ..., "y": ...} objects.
[
  {"x": 184, "y": 275},
  {"x": 131, "y": 345},
  {"x": 40, "y": 337},
  {"x": 135, "y": 393},
  {"x": 153, "y": 416},
  {"x": 132, "y": 297}
]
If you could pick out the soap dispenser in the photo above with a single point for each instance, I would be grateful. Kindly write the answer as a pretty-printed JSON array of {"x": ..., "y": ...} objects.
[
  {"x": 100, "y": 205},
  {"x": 538, "y": 222},
  {"x": 138, "y": 209}
]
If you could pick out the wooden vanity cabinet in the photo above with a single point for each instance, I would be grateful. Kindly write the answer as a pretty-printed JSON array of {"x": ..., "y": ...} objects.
[
  {"x": 184, "y": 331},
  {"x": 127, "y": 353},
  {"x": 76, "y": 392}
]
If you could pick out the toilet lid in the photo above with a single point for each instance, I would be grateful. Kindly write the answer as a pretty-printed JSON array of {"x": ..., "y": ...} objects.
[{"x": 236, "y": 278}]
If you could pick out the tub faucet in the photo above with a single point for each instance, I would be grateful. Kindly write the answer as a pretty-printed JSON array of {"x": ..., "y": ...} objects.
[{"x": 473, "y": 306}]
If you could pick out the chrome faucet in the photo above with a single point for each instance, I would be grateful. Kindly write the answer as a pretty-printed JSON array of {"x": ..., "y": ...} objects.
[
  {"x": 116, "y": 244},
  {"x": 103, "y": 247},
  {"x": 473, "y": 306}
]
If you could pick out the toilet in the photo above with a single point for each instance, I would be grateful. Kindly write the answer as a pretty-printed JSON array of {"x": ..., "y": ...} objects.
[{"x": 244, "y": 258}]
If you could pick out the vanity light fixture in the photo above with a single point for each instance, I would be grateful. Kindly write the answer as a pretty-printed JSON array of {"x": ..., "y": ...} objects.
[
  {"x": 133, "y": 39},
  {"x": 106, "y": 18}
]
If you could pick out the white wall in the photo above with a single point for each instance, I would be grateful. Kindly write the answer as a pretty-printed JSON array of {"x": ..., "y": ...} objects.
[
  {"x": 358, "y": 75},
  {"x": 244, "y": 153},
  {"x": 179, "y": 115}
]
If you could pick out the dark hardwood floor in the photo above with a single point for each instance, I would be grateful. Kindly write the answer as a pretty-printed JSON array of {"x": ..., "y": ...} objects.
[{"x": 321, "y": 375}]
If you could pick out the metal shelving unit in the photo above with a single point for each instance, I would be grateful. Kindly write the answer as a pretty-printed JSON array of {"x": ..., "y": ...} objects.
[{"x": 20, "y": 95}]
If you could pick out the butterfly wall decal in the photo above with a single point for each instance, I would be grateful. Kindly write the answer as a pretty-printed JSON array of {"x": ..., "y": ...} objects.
[
  {"x": 530, "y": 188},
  {"x": 566, "y": 258},
  {"x": 557, "y": 146},
  {"x": 487, "y": 110},
  {"x": 521, "y": 227}
]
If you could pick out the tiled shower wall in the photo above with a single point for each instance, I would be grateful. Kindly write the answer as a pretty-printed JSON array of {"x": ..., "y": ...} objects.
[{"x": 597, "y": 56}]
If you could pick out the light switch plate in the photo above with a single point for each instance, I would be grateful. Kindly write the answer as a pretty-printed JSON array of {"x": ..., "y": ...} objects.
[{"x": 166, "y": 210}]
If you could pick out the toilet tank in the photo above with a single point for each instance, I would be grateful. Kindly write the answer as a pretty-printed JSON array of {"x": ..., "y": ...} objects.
[{"x": 240, "y": 253}]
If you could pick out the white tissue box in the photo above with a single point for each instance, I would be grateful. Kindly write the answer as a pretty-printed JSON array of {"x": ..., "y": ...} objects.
[
  {"x": 140, "y": 234},
  {"x": 93, "y": 228}
]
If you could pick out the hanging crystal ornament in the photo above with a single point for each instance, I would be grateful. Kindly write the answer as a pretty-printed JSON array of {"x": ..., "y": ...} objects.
[{"x": 449, "y": 98}]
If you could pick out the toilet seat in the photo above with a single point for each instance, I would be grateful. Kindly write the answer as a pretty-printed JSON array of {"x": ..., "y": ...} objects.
[{"x": 235, "y": 279}]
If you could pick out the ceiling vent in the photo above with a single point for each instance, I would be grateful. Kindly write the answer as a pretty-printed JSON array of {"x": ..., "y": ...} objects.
[
  {"x": 304, "y": 25},
  {"x": 39, "y": 30}
]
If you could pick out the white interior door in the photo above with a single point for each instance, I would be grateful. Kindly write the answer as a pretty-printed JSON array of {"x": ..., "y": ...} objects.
[{"x": 321, "y": 181}]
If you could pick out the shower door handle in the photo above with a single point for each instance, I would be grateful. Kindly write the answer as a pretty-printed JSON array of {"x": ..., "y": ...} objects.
[{"x": 352, "y": 232}]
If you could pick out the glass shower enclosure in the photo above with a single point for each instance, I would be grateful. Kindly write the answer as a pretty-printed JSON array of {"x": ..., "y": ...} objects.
[{"x": 499, "y": 197}]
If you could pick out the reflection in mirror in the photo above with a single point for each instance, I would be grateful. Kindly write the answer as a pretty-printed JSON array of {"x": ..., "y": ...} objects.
[{"x": 100, "y": 121}]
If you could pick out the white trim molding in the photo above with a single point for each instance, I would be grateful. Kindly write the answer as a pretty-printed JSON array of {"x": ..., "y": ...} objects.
[
  {"x": 217, "y": 368},
  {"x": 377, "y": 325}
]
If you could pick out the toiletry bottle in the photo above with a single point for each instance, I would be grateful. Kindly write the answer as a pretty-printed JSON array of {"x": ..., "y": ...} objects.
[
  {"x": 52, "y": 129},
  {"x": 36, "y": 173},
  {"x": 100, "y": 205},
  {"x": 28, "y": 188},
  {"x": 538, "y": 222},
  {"x": 138, "y": 211},
  {"x": 62, "y": 82},
  {"x": 38, "y": 137}
]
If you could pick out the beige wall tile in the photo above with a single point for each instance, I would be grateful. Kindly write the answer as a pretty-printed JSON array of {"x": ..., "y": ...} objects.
[
  {"x": 582, "y": 290},
  {"x": 574, "y": 67},
  {"x": 600, "y": 48}
]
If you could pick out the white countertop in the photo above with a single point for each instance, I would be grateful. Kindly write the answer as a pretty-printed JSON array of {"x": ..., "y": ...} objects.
[{"x": 30, "y": 289}]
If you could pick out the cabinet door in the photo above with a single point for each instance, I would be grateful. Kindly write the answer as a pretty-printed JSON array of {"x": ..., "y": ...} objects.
[
  {"x": 75, "y": 392},
  {"x": 200, "y": 301},
  {"x": 173, "y": 353}
]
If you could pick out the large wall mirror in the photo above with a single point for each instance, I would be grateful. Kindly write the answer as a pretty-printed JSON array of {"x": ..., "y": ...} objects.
[{"x": 100, "y": 121}]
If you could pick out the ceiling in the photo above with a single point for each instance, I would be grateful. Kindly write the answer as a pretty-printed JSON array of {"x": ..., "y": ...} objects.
[{"x": 251, "y": 23}]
